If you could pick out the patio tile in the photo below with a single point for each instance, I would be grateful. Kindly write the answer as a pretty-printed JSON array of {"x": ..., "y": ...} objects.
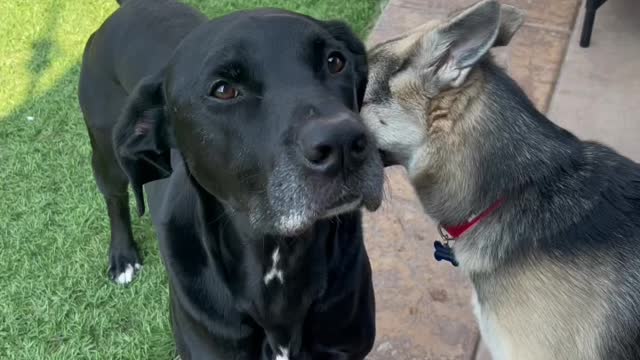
[{"x": 423, "y": 307}]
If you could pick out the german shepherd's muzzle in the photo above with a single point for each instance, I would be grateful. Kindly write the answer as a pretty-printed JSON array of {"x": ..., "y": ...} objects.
[{"x": 556, "y": 262}]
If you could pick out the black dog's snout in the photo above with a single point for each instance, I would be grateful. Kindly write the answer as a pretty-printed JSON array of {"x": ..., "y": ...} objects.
[{"x": 330, "y": 145}]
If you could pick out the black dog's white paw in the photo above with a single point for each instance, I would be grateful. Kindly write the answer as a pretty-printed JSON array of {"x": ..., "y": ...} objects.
[
  {"x": 127, "y": 275},
  {"x": 122, "y": 269}
]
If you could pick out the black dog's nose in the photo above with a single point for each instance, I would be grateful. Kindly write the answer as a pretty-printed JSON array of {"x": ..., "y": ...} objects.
[{"x": 333, "y": 144}]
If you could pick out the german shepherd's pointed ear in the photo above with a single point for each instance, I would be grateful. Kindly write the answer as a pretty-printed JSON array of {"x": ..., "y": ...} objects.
[
  {"x": 342, "y": 32},
  {"x": 511, "y": 18},
  {"x": 454, "y": 47},
  {"x": 142, "y": 138}
]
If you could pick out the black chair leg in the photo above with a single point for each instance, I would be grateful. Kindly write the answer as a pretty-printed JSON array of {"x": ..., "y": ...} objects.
[
  {"x": 587, "y": 27},
  {"x": 589, "y": 18}
]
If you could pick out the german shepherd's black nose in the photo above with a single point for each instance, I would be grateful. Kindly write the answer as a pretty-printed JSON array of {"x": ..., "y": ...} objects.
[{"x": 331, "y": 145}]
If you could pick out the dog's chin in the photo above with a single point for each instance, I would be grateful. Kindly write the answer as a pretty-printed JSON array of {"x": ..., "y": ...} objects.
[
  {"x": 294, "y": 200},
  {"x": 297, "y": 222},
  {"x": 344, "y": 205}
]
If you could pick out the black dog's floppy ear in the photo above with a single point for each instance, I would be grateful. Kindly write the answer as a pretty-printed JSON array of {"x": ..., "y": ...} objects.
[
  {"x": 343, "y": 32},
  {"x": 141, "y": 137}
]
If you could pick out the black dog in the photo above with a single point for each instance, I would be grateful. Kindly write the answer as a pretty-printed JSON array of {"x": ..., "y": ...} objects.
[{"x": 250, "y": 124}]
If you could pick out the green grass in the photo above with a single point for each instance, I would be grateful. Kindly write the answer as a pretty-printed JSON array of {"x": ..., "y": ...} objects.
[{"x": 55, "y": 299}]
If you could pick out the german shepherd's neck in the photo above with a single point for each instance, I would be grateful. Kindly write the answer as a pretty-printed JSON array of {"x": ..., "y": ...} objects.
[
  {"x": 504, "y": 145},
  {"x": 505, "y": 149}
]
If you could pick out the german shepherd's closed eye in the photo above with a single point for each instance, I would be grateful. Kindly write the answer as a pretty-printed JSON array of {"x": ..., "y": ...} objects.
[{"x": 556, "y": 264}]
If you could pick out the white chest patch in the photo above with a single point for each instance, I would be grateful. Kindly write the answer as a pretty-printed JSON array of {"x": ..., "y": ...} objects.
[
  {"x": 283, "y": 353},
  {"x": 274, "y": 272},
  {"x": 496, "y": 343}
]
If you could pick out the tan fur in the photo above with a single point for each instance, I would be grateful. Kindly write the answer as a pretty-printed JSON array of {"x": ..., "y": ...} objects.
[
  {"x": 429, "y": 128},
  {"x": 406, "y": 43},
  {"x": 567, "y": 298}
]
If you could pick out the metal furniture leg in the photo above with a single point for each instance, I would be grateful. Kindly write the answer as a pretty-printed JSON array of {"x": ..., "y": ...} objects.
[{"x": 589, "y": 18}]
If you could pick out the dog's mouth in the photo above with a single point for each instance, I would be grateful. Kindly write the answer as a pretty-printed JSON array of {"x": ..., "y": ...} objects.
[
  {"x": 305, "y": 207},
  {"x": 295, "y": 222},
  {"x": 387, "y": 158},
  {"x": 343, "y": 205},
  {"x": 294, "y": 199}
]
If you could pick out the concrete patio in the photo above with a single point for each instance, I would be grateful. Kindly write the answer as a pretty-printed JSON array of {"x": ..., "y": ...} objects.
[{"x": 423, "y": 306}]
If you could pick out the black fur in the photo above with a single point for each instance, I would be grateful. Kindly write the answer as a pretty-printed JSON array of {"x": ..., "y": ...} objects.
[{"x": 219, "y": 174}]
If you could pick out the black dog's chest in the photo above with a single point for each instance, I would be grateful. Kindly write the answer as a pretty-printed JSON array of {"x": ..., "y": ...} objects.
[
  {"x": 263, "y": 299},
  {"x": 291, "y": 278},
  {"x": 235, "y": 297}
]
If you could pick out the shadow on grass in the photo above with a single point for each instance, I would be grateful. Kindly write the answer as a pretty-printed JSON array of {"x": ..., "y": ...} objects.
[
  {"x": 44, "y": 139},
  {"x": 43, "y": 48},
  {"x": 55, "y": 234},
  {"x": 47, "y": 121}
]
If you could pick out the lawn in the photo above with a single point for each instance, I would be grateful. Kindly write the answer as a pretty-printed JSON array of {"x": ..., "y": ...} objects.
[{"x": 55, "y": 299}]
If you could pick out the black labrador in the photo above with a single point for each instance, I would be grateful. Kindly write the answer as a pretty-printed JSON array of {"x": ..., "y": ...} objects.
[{"x": 246, "y": 133}]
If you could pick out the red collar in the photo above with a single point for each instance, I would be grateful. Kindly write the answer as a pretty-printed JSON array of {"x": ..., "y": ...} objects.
[{"x": 456, "y": 231}]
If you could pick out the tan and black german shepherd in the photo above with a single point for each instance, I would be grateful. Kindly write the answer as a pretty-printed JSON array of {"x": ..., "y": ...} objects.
[{"x": 555, "y": 263}]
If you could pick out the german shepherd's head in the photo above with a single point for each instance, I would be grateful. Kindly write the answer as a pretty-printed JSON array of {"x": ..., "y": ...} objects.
[{"x": 426, "y": 97}]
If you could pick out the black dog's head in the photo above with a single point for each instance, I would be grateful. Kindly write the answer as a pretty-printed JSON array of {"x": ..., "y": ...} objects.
[{"x": 263, "y": 106}]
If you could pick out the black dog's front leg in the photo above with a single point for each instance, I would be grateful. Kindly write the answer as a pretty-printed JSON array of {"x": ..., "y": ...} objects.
[
  {"x": 124, "y": 261},
  {"x": 123, "y": 255}
]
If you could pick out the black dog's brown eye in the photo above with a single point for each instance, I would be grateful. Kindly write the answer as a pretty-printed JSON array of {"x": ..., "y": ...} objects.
[
  {"x": 223, "y": 90},
  {"x": 335, "y": 62}
]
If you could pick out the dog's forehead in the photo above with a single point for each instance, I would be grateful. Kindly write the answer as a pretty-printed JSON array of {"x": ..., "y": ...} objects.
[
  {"x": 274, "y": 28},
  {"x": 258, "y": 34},
  {"x": 250, "y": 38},
  {"x": 402, "y": 45},
  {"x": 382, "y": 64},
  {"x": 267, "y": 24},
  {"x": 386, "y": 58}
]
